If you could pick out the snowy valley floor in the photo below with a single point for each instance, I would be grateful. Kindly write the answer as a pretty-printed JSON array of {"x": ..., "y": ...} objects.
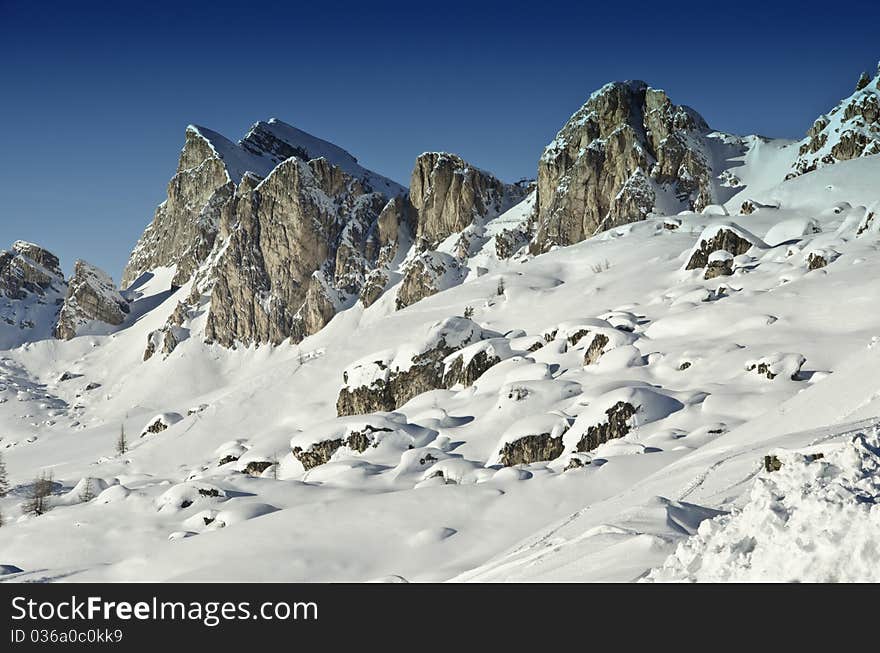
[{"x": 684, "y": 493}]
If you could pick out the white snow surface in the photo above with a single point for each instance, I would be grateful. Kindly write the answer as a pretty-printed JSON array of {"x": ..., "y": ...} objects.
[{"x": 679, "y": 494}]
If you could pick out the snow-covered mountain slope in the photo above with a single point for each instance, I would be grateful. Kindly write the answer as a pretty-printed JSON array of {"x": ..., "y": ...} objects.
[{"x": 568, "y": 416}]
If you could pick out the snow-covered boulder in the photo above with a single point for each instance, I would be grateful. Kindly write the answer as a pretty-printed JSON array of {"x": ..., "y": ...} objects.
[
  {"x": 616, "y": 413},
  {"x": 468, "y": 364},
  {"x": 791, "y": 230},
  {"x": 386, "y": 380},
  {"x": 725, "y": 235},
  {"x": 161, "y": 422},
  {"x": 720, "y": 264},
  {"x": 183, "y": 495},
  {"x": 777, "y": 364},
  {"x": 532, "y": 439},
  {"x": 316, "y": 445},
  {"x": 820, "y": 257}
]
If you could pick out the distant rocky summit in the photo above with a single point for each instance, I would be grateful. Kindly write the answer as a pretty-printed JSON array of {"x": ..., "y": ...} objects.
[
  {"x": 849, "y": 130},
  {"x": 627, "y": 152},
  {"x": 91, "y": 297}
]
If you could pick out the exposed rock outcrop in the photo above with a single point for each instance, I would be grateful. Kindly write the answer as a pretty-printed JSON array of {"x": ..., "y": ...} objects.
[
  {"x": 849, "y": 130},
  {"x": 388, "y": 380},
  {"x": 531, "y": 448},
  {"x": 296, "y": 252},
  {"x": 427, "y": 274},
  {"x": 725, "y": 236},
  {"x": 32, "y": 288},
  {"x": 277, "y": 231},
  {"x": 91, "y": 297},
  {"x": 720, "y": 264},
  {"x": 28, "y": 269},
  {"x": 449, "y": 194},
  {"x": 616, "y": 425},
  {"x": 625, "y": 147}
]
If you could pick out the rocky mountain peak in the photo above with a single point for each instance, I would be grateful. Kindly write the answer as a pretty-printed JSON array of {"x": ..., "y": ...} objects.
[
  {"x": 210, "y": 169},
  {"x": 626, "y": 150},
  {"x": 850, "y": 130},
  {"x": 91, "y": 297},
  {"x": 449, "y": 194}
]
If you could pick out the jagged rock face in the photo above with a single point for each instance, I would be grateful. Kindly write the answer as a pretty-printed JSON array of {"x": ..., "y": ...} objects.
[
  {"x": 32, "y": 288},
  {"x": 391, "y": 238},
  {"x": 465, "y": 374},
  {"x": 27, "y": 269},
  {"x": 850, "y": 130},
  {"x": 427, "y": 274},
  {"x": 278, "y": 230},
  {"x": 185, "y": 225},
  {"x": 607, "y": 164},
  {"x": 615, "y": 426},
  {"x": 449, "y": 194},
  {"x": 297, "y": 247},
  {"x": 531, "y": 449},
  {"x": 91, "y": 297}
]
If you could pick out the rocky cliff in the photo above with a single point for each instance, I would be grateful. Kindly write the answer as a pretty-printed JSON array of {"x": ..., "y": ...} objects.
[
  {"x": 91, "y": 297},
  {"x": 449, "y": 195},
  {"x": 849, "y": 130},
  {"x": 32, "y": 288},
  {"x": 210, "y": 169},
  {"x": 628, "y": 151}
]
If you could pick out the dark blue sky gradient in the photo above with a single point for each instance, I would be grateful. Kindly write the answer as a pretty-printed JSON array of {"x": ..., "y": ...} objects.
[{"x": 94, "y": 97}]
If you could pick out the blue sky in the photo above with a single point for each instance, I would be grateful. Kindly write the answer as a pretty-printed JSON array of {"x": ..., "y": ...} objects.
[{"x": 96, "y": 95}]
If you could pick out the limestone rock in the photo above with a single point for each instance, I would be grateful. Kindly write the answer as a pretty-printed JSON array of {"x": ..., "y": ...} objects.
[
  {"x": 427, "y": 274},
  {"x": 609, "y": 162},
  {"x": 28, "y": 269},
  {"x": 531, "y": 448},
  {"x": 32, "y": 288},
  {"x": 723, "y": 236},
  {"x": 296, "y": 252},
  {"x": 532, "y": 439},
  {"x": 720, "y": 264},
  {"x": 387, "y": 380},
  {"x": 448, "y": 194},
  {"x": 91, "y": 297},
  {"x": 849, "y": 130},
  {"x": 211, "y": 170},
  {"x": 615, "y": 426}
]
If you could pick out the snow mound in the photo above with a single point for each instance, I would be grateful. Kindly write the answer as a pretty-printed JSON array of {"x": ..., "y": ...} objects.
[
  {"x": 815, "y": 519},
  {"x": 616, "y": 413},
  {"x": 789, "y": 230},
  {"x": 161, "y": 422},
  {"x": 183, "y": 495},
  {"x": 776, "y": 364}
]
